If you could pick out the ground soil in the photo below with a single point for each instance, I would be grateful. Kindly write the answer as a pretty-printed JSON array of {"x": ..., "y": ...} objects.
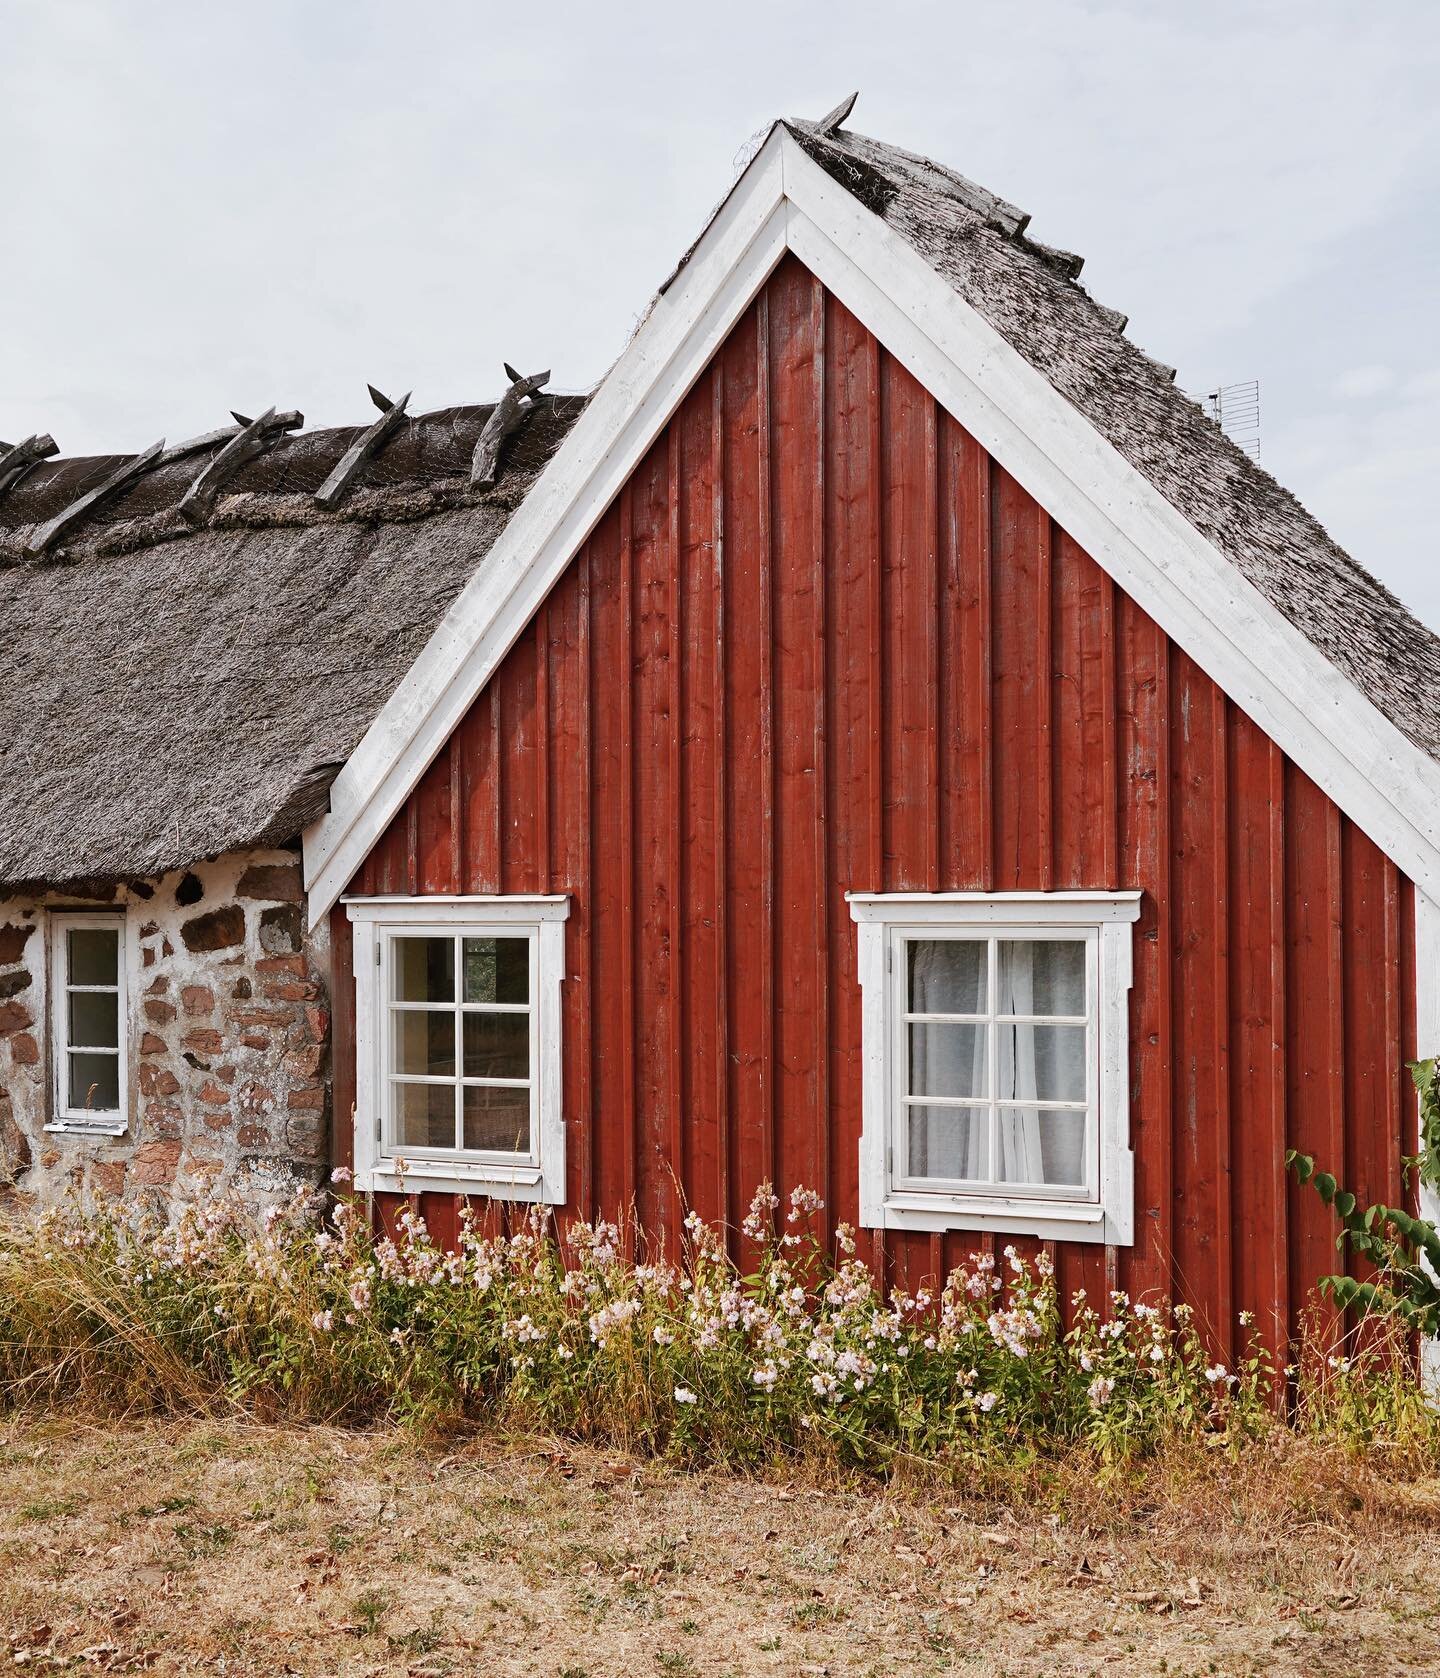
[{"x": 221, "y": 1547}]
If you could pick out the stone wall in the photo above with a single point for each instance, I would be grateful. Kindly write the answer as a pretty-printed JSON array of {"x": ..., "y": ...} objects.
[{"x": 228, "y": 1036}]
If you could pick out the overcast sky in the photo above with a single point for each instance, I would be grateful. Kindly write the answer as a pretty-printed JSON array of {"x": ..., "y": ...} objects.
[{"x": 215, "y": 205}]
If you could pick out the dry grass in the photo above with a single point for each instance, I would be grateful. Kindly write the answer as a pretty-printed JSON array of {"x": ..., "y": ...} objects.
[{"x": 227, "y": 1548}]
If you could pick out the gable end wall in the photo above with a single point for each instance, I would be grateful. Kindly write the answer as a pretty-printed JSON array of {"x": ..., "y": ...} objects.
[{"x": 823, "y": 643}]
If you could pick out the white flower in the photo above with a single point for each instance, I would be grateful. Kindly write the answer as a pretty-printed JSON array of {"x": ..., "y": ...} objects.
[
  {"x": 683, "y": 1395},
  {"x": 323, "y": 1321},
  {"x": 1100, "y": 1389},
  {"x": 1218, "y": 1372},
  {"x": 342, "y": 1174}
]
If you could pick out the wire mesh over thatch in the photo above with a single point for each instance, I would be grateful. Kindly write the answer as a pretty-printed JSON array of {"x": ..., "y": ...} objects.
[
  {"x": 167, "y": 694},
  {"x": 1029, "y": 294}
]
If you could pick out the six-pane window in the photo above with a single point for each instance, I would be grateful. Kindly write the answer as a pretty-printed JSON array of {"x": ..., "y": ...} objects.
[
  {"x": 461, "y": 1075},
  {"x": 89, "y": 1019}
]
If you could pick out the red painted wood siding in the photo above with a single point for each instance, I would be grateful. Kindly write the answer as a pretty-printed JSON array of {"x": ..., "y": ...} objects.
[{"x": 823, "y": 643}]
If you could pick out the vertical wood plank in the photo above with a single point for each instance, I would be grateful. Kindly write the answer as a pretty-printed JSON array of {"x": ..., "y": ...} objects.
[
  {"x": 797, "y": 687},
  {"x": 1200, "y": 1036},
  {"x": 1142, "y": 679},
  {"x": 1258, "y": 1033},
  {"x": 967, "y": 805}
]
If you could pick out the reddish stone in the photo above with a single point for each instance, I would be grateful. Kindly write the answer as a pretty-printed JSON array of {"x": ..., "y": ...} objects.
[
  {"x": 208, "y": 1166},
  {"x": 12, "y": 943},
  {"x": 203, "y": 1040},
  {"x": 108, "y": 1175},
  {"x": 309, "y": 1101},
  {"x": 292, "y": 992},
  {"x": 216, "y": 1094},
  {"x": 166, "y": 947},
  {"x": 253, "y": 1136},
  {"x": 197, "y": 1000},
  {"x": 50, "y": 1158},
  {"x": 24, "y": 1050},
  {"x": 254, "y": 1040},
  {"x": 242, "y": 990},
  {"x": 317, "y": 1019},
  {"x": 150, "y": 1044},
  {"x": 294, "y": 965},
  {"x": 147, "y": 958},
  {"x": 216, "y": 1119},
  {"x": 150, "y": 929},
  {"x": 155, "y": 1162},
  {"x": 14, "y": 1016},
  {"x": 261, "y": 1016},
  {"x": 226, "y": 1074},
  {"x": 271, "y": 883},
  {"x": 305, "y": 1063},
  {"x": 159, "y": 1013},
  {"x": 221, "y": 929},
  {"x": 255, "y": 1099},
  {"x": 163, "y": 1118},
  {"x": 305, "y": 1136},
  {"x": 157, "y": 987},
  {"x": 157, "y": 1080}
]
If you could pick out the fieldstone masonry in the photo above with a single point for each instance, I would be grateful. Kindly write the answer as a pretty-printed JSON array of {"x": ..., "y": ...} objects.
[{"x": 229, "y": 1039}]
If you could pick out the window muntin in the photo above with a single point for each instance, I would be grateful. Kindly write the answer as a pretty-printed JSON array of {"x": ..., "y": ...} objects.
[
  {"x": 996, "y": 1063},
  {"x": 88, "y": 1020},
  {"x": 462, "y": 1065}
]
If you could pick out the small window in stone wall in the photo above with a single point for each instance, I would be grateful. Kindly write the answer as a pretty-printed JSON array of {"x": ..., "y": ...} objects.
[{"x": 88, "y": 1021}]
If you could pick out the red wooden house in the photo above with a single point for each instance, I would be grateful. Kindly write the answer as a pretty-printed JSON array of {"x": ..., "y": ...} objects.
[{"x": 899, "y": 745}]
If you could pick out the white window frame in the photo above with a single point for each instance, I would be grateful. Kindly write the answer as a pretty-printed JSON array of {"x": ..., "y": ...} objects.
[
  {"x": 377, "y": 922},
  {"x": 83, "y": 1120},
  {"x": 1101, "y": 1211}
]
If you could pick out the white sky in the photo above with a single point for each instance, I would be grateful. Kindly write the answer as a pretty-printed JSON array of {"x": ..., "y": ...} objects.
[{"x": 206, "y": 206}]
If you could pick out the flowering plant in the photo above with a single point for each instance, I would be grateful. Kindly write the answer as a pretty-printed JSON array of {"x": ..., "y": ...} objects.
[{"x": 308, "y": 1312}]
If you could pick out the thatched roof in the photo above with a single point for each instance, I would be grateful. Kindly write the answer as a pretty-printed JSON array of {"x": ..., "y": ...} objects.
[
  {"x": 1030, "y": 294},
  {"x": 167, "y": 695}
]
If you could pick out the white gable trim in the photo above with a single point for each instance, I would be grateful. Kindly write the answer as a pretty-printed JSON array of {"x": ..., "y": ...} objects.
[{"x": 785, "y": 201}]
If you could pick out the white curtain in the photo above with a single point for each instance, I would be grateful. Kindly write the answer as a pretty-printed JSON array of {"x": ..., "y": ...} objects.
[
  {"x": 948, "y": 977},
  {"x": 1047, "y": 1062}
]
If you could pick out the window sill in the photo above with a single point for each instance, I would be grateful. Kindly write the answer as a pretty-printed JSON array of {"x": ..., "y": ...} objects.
[
  {"x": 1044, "y": 1220},
  {"x": 496, "y": 1182},
  {"x": 77, "y": 1127}
]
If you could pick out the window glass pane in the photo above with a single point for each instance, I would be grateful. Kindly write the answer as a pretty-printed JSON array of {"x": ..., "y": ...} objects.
[
  {"x": 1042, "y": 1148},
  {"x": 947, "y": 1060},
  {"x": 425, "y": 1043},
  {"x": 497, "y": 1120},
  {"x": 424, "y": 969},
  {"x": 1041, "y": 1062},
  {"x": 948, "y": 975},
  {"x": 94, "y": 955},
  {"x": 497, "y": 970},
  {"x": 95, "y": 1083},
  {"x": 951, "y": 1142},
  {"x": 424, "y": 1115},
  {"x": 497, "y": 1045},
  {"x": 1041, "y": 977},
  {"x": 94, "y": 1019}
]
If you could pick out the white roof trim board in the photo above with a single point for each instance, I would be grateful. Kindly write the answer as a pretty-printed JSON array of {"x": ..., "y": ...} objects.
[{"x": 786, "y": 202}]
